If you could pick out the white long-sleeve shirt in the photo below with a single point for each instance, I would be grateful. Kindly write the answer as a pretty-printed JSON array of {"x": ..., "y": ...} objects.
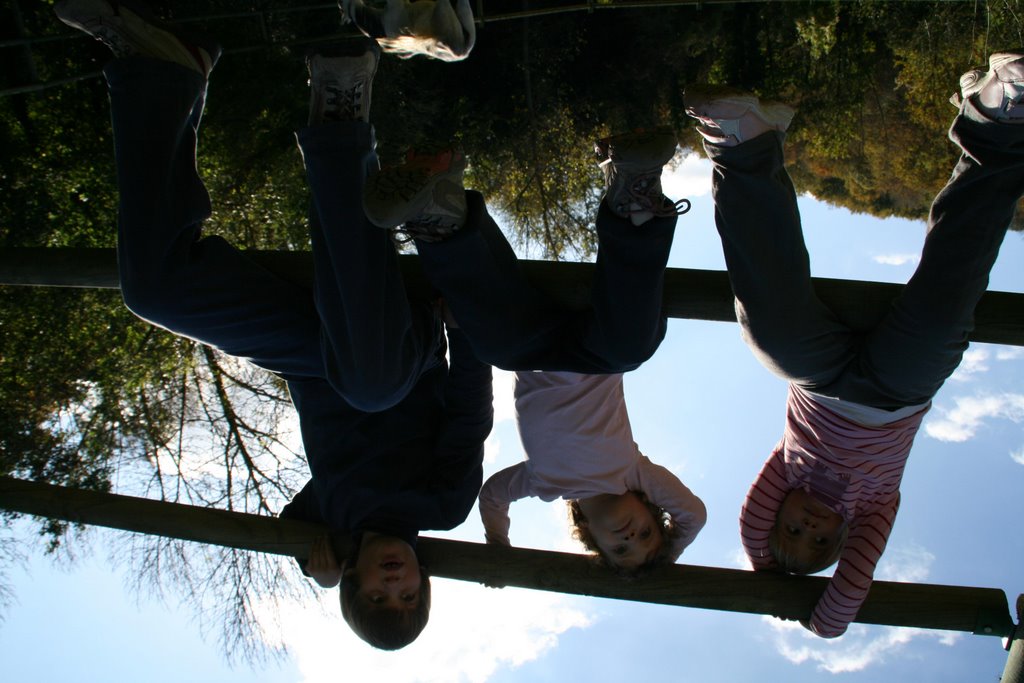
[{"x": 578, "y": 442}]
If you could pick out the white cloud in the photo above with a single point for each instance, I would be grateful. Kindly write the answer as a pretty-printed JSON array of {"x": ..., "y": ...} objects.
[
  {"x": 473, "y": 631},
  {"x": 1018, "y": 455},
  {"x": 896, "y": 259},
  {"x": 861, "y": 646},
  {"x": 973, "y": 363},
  {"x": 962, "y": 421},
  {"x": 740, "y": 560},
  {"x": 492, "y": 448},
  {"x": 908, "y": 563},
  {"x": 504, "y": 410},
  {"x": 504, "y": 400},
  {"x": 1009, "y": 352},
  {"x": 559, "y": 531},
  {"x": 687, "y": 176}
]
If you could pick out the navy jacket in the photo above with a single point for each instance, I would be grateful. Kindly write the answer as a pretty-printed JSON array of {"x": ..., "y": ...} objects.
[{"x": 415, "y": 466}]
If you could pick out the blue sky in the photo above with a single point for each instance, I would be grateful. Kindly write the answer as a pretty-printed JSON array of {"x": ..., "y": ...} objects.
[{"x": 702, "y": 407}]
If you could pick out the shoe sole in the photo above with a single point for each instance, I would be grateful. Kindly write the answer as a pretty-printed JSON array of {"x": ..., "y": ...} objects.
[
  {"x": 711, "y": 103},
  {"x": 346, "y": 48},
  {"x": 996, "y": 61},
  {"x": 1000, "y": 59},
  {"x": 643, "y": 149},
  {"x": 409, "y": 188}
]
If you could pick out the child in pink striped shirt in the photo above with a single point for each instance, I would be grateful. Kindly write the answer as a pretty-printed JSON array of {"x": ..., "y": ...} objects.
[{"x": 829, "y": 492}]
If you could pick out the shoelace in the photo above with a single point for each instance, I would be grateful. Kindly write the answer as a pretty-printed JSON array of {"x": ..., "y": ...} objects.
[
  {"x": 342, "y": 103},
  {"x": 110, "y": 37},
  {"x": 646, "y": 191},
  {"x": 425, "y": 229}
]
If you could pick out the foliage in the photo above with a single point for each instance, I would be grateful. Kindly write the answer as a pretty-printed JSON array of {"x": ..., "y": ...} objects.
[{"x": 234, "y": 446}]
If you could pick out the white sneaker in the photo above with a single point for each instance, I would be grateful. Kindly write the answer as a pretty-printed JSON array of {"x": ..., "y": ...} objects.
[
  {"x": 999, "y": 92},
  {"x": 728, "y": 116},
  {"x": 632, "y": 165},
  {"x": 128, "y": 28},
  {"x": 341, "y": 80},
  {"x": 425, "y": 195}
]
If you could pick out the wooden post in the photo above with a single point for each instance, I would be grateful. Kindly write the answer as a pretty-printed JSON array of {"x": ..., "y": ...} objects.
[
  {"x": 983, "y": 611},
  {"x": 689, "y": 293},
  {"x": 1014, "y": 671}
]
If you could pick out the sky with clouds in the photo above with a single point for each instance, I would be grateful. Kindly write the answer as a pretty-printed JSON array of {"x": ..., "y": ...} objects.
[{"x": 705, "y": 409}]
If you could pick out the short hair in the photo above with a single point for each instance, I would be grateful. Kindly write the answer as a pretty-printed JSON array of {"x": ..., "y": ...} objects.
[
  {"x": 667, "y": 527},
  {"x": 383, "y": 627},
  {"x": 822, "y": 558}
]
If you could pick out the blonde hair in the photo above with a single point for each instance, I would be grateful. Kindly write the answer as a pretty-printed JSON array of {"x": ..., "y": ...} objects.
[{"x": 580, "y": 529}]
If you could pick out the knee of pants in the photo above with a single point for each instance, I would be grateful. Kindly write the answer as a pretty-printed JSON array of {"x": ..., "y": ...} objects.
[
  {"x": 370, "y": 394},
  {"x": 628, "y": 354},
  {"x": 628, "y": 351},
  {"x": 150, "y": 299}
]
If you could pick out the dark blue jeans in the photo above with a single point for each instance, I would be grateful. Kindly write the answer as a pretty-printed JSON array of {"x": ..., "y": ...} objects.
[
  {"x": 513, "y": 326},
  {"x": 917, "y": 346},
  {"x": 357, "y": 329}
]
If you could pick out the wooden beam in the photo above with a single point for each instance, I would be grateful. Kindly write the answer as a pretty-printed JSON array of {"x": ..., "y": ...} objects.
[
  {"x": 689, "y": 293},
  {"x": 983, "y": 611},
  {"x": 1014, "y": 671}
]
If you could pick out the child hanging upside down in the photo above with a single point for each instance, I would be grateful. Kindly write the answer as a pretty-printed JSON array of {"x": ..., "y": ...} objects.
[
  {"x": 579, "y": 446},
  {"x": 393, "y": 434},
  {"x": 831, "y": 488},
  {"x": 571, "y": 414}
]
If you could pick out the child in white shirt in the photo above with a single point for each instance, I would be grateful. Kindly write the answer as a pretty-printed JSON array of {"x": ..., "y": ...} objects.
[{"x": 579, "y": 446}]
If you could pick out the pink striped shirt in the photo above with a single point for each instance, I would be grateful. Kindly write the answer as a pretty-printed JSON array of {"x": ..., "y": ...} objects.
[{"x": 852, "y": 468}]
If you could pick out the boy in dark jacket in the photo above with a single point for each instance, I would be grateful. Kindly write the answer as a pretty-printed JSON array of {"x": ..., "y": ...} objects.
[{"x": 393, "y": 436}]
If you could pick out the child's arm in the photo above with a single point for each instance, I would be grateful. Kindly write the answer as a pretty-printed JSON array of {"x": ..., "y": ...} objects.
[
  {"x": 323, "y": 564},
  {"x": 841, "y": 601},
  {"x": 664, "y": 489},
  {"x": 469, "y": 415},
  {"x": 498, "y": 492},
  {"x": 760, "y": 510},
  {"x": 304, "y": 506}
]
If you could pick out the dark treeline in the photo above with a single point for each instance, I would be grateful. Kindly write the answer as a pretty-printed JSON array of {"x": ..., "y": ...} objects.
[
  {"x": 88, "y": 393},
  {"x": 870, "y": 79}
]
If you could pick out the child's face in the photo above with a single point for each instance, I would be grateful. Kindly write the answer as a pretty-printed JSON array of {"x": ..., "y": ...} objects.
[
  {"x": 807, "y": 528},
  {"x": 389, "y": 572},
  {"x": 623, "y": 527}
]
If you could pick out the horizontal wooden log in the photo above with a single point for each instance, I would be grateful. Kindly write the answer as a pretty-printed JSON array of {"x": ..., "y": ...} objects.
[
  {"x": 983, "y": 611},
  {"x": 689, "y": 293}
]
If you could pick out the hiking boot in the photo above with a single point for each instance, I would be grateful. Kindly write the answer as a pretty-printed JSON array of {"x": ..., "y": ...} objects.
[
  {"x": 728, "y": 116},
  {"x": 425, "y": 194},
  {"x": 341, "y": 79},
  {"x": 632, "y": 165},
  {"x": 128, "y": 28},
  {"x": 999, "y": 92}
]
